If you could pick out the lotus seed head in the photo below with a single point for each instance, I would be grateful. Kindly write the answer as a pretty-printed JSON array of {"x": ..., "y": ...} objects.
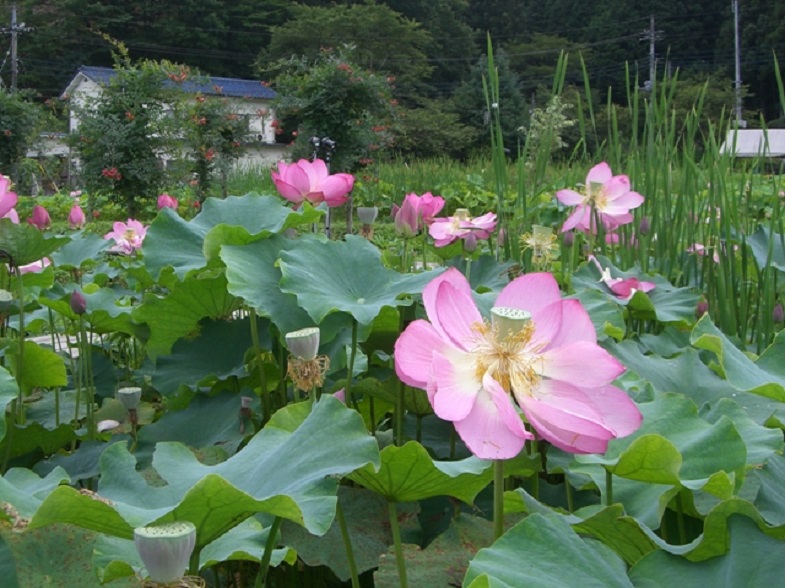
[
  {"x": 165, "y": 549},
  {"x": 303, "y": 343},
  {"x": 130, "y": 397}
]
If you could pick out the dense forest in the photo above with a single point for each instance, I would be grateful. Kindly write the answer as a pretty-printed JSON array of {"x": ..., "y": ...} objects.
[{"x": 432, "y": 47}]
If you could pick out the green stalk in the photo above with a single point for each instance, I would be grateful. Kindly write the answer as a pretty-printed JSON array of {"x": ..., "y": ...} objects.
[
  {"x": 396, "y": 533},
  {"x": 350, "y": 367},
  {"x": 680, "y": 519},
  {"x": 54, "y": 348},
  {"x": 570, "y": 495},
  {"x": 257, "y": 352},
  {"x": 347, "y": 543},
  {"x": 20, "y": 414},
  {"x": 264, "y": 565},
  {"x": 399, "y": 408},
  {"x": 85, "y": 357},
  {"x": 608, "y": 487},
  {"x": 404, "y": 265},
  {"x": 498, "y": 498}
]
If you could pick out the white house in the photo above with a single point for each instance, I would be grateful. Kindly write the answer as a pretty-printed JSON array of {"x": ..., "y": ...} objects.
[
  {"x": 754, "y": 143},
  {"x": 249, "y": 98}
]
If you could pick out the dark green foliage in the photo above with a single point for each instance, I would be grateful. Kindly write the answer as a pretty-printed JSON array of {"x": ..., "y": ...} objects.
[
  {"x": 20, "y": 121},
  {"x": 333, "y": 97}
]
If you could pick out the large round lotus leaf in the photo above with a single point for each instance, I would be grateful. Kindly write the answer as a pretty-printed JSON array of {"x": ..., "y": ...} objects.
[
  {"x": 21, "y": 243},
  {"x": 345, "y": 276},
  {"x": 544, "y": 552}
]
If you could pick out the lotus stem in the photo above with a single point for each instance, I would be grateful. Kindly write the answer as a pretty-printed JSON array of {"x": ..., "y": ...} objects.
[
  {"x": 570, "y": 495},
  {"x": 608, "y": 487},
  {"x": 680, "y": 519},
  {"x": 350, "y": 367},
  {"x": 264, "y": 565},
  {"x": 396, "y": 533},
  {"x": 498, "y": 498},
  {"x": 20, "y": 357},
  {"x": 257, "y": 352},
  {"x": 347, "y": 543}
]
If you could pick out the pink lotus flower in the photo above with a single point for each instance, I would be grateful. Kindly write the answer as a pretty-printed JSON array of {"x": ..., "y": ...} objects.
[
  {"x": 406, "y": 218},
  {"x": 40, "y": 218},
  {"x": 461, "y": 226},
  {"x": 166, "y": 201},
  {"x": 128, "y": 236},
  {"x": 607, "y": 195},
  {"x": 312, "y": 182},
  {"x": 76, "y": 217},
  {"x": 623, "y": 288},
  {"x": 36, "y": 267},
  {"x": 539, "y": 353},
  {"x": 7, "y": 199}
]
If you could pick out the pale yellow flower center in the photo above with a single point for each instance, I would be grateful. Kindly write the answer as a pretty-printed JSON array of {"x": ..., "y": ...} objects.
[
  {"x": 596, "y": 195},
  {"x": 129, "y": 235},
  {"x": 506, "y": 354}
]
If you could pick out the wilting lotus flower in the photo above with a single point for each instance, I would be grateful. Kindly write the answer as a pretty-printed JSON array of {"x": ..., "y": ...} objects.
[
  {"x": 539, "y": 351},
  {"x": 128, "y": 236},
  {"x": 623, "y": 288},
  {"x": 461, "y": 226},
  {"x": 309, "y": 181},
  {"x": 166, "y": 201},
  {"x": 76, "y": 217},
  {"x": 606, "y": 195},
  {"x": 40, "y": 218}
]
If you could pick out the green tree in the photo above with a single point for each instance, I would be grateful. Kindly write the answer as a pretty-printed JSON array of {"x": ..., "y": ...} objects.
[
  {"x": 20, "y": 123},
  {"x": 372, "y": 36},
  {"x": 333, "y": 97},
  {"x": 431, "y": 131},
  {"x": 124, "y": 132},
  {"x": 213, "y": 136}
]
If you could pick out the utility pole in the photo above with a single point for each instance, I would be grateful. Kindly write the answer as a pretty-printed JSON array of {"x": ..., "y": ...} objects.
[
  {"x": 740, "y": 122},
  {"x": 651, "y": 35},
  {"x": 14, "y": 31}
]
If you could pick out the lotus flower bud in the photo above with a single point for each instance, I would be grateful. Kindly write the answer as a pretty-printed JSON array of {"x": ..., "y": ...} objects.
[
  {"x": 130, "y": 397},
  {"x": 304, "y": 343},
  {"x": 76, "y": 217},
  {"x": 40, "y": 218},
  {"x": 165, "y": 549},
  {"x": 569, "y": 238},
  {"x": 645, "y": 226},
  {"x": 78, "y": 303},
  {"x": 702, "y": 308},
  {"x": 166, "y": 201},
  {"x": 778, "y": 314}
]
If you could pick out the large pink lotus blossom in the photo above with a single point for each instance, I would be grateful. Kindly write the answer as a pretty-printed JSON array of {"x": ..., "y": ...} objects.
[
  {"x": 40, "y": 218},
  {"x": 128, "y": 236},
  {"x": 606, "y": 195},
  {"x": 309, "y": 181},
  {"x": 461, "y": 226},
  {"x": 76, "y": 217},
  {"x": 539, "y": 357},
  {"x": 623, "y": 288}
]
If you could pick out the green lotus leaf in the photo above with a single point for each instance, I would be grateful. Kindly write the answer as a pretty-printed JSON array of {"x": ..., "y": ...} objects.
[
  {"x": 178, "y": 314},
  {"x": 188, "y": 245},
  {"x": 8, "y": 392},
  {"x": 606, "y": 315},
  {"x": 34, "y": 437},
  {"x": 674, "y": 445},
  {"x": 83, "y": 247},
  {"x": 60, "y": 555},
  {"x": 244, "y": 543},
  {"x": 408, "y": 473},
  {"x": 770, "y": 498},
  {"x": 486, "y": 272},
  {"x": 345, "y": 276},
  {"x": 288, "y": 474},
  {"x": 687, "y": 374},
  {"x": 23, "y": 243},
  {"x": 759, "y": 243},
  {"x": 40, "y": 367},
  {"x": 25, "y": 490},
  {"x": 108, "y": 311},
  {"x": 544, "y": 552},
  {"x": 764, "y": 376},
  {"x": 752, "y": 559},
  {"x": 217, "y": 350}
]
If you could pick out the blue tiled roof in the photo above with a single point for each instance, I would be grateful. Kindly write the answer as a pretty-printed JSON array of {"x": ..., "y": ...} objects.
[{"x": 215, "y": 86}]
